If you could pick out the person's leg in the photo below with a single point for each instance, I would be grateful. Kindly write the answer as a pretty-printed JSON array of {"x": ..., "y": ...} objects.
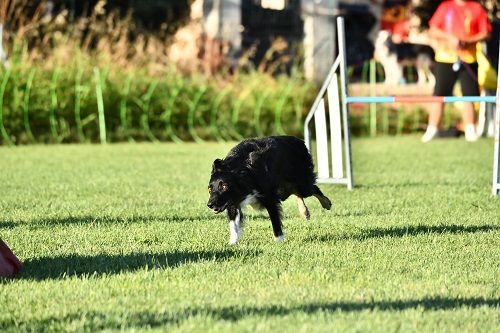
[
  {"x": 469, "y": 113},
  {"x": 445, "y": 80},
  {"x": 435, "y": 114},
  {"x": 469, "y": 124},
  {"x": 470, "y": 87}
]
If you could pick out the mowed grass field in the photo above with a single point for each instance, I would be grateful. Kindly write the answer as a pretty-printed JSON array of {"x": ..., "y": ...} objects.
[{"x": 119, "y": 238}]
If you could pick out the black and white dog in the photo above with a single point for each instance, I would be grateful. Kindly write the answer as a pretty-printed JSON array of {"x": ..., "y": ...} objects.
[
  {"x": 394, "y": 56},
  {"x": 263, "y": 172}
]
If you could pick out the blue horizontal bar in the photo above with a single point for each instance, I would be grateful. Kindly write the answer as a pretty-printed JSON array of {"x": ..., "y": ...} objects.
[{"x": 452, "y": 99}]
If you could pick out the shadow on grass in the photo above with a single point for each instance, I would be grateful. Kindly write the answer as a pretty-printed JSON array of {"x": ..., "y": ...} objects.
[
  {"x": 361, "y": 213},
  {"x": 107, "y": 220},
  {"x": 79, "y": 266},
  {"x": 404, "y": 232},
  {"x": 94, "y": 321},
  {"x": 411, "y": 185},
  {"x": 8, "y": 225}
]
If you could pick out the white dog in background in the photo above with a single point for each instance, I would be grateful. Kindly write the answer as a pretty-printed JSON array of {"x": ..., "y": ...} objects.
[{"x": 395, "y": 56}]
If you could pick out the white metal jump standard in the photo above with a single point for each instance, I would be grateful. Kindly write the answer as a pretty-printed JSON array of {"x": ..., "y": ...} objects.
[
  {"x": 338, "y": 127},
  {"x": 339, "y": 130}
]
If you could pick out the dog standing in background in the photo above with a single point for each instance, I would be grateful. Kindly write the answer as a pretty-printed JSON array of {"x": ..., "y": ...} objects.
[
  {"x": 262, "y": 173},
  {"x": 395, "y": 56}
]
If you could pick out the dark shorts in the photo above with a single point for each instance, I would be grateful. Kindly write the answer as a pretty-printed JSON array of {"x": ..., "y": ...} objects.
[{"x": 446, "y": 77}]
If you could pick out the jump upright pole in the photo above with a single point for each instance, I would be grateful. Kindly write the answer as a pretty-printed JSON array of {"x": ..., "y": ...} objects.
[
  {"x": 339, "y": 156},
  {"x": 343, "y": 95},
  {"x": 496, "y": 154}
]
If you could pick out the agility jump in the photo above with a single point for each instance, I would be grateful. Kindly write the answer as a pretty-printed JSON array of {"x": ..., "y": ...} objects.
[{"x": 340, "y": 141}]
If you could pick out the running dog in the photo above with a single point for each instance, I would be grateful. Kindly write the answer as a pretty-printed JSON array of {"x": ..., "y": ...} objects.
[{"x": 262, "y": 173}]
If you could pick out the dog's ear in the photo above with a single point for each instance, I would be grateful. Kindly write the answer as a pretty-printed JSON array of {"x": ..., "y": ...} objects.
[
  {"x": 253, "y": 158},
  {"x": 217, "y": 165}
]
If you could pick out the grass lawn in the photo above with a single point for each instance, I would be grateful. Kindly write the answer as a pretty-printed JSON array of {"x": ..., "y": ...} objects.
[{"x": 119, "y": 237}]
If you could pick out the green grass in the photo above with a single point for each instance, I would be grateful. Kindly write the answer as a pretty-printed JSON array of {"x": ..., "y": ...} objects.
[{"x": 118, "y": 237}]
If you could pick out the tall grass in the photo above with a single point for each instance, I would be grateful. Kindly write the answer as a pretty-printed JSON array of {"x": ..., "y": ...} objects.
[{"x": 52, "y": 94}]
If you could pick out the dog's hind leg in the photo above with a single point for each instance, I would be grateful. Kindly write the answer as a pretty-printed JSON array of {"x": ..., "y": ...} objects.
[
  {"x": 303, "y": 210},
  {"x": 235, "y": 224},
  {"x": 274, "y": 210},
  {"x": 323, "y": 200}
]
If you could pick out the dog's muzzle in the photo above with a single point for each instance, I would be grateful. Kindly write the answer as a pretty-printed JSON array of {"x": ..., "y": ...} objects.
[{"x": 216, "y": 209}]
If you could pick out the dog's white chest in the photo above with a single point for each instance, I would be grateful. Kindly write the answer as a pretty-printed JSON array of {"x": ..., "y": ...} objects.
[{"x": 252, "y": 200}]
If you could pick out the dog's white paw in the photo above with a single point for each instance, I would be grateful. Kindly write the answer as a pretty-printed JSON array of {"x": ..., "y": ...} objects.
[
  {"x": 280, "y": 239},
  {"x": 306, "y": 214},
  {"x": 234, "y": 238},
  {"x": 235, "y": 232}
]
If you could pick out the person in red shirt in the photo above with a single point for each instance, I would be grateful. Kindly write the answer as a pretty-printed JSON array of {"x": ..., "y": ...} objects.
[{"x": 457, "y": 26}]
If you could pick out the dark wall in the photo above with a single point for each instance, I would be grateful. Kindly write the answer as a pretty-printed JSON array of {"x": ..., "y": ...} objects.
[
  {"x": 147, "y": 14},
  {"x": 261, "y": 26},
  {"x": 493, "y": 43},
  {"x": 359, "y": 21}
]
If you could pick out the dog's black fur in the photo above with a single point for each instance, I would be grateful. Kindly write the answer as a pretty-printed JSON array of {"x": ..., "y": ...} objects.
[
  {"x": 409, "y": 51},
  {"x": 265, "y": 172}
]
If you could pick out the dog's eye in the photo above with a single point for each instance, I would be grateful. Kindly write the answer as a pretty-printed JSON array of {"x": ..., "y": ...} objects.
[
  {"x": 222, "y": 187},
  {"x": 209, "y": 189}
]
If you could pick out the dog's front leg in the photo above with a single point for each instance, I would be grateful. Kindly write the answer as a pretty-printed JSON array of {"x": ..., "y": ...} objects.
[{"x": 235, "y": 224}]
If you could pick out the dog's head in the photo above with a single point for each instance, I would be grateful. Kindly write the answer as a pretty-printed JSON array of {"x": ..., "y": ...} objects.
[{"x": 223, "y": 187}]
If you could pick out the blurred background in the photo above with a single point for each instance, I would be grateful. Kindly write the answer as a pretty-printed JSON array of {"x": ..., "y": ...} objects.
[{"x": 184, "y": 70}]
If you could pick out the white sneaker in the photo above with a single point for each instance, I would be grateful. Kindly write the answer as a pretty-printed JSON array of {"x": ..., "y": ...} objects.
[
  {"x": 470, "y": 133},
  {"x": 430, "y": 133}
]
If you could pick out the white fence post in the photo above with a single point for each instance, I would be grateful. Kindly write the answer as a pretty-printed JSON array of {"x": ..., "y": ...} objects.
[
  {"x": 339, "y": 138},
  {"x": 496, "y": 154}
]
